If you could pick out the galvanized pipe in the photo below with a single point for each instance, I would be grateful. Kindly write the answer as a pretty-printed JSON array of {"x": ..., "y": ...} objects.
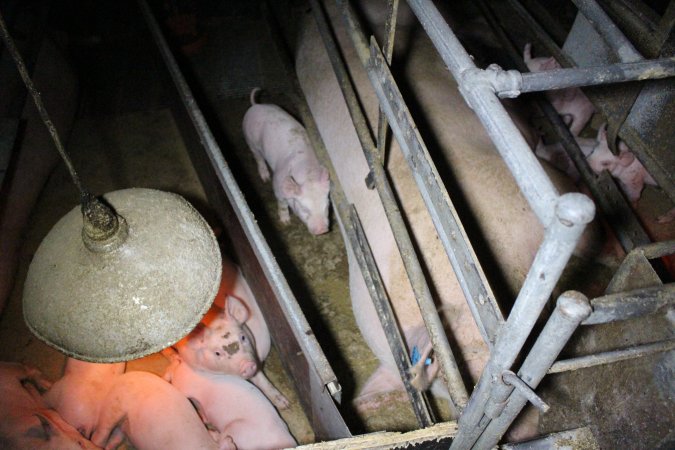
[
  {"x": 571, "y": 308},
  {"x": 608, "y": 31},
  {"x": 530, "y": 176},
  {"x": 282, "y": 290},
  {"x": 598, "y": 359},
  {"x": 598, "y": 75},
  {"x": 629, "y": 305},
  {"x": 573, "y": 212},
  {"x": 413, "y": 269}
]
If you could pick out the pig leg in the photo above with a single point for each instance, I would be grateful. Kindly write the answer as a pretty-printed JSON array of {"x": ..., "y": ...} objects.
[
  {"x": 265, "y": 385},
  {"x": 263, "y": 170},
  {"x": 284, "y": 214},
  {"x": 109, "y": 430},
  {"x": 380, "y": 388}
]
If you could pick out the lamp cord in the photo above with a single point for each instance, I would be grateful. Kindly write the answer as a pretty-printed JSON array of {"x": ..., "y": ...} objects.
[{"x": 21, "y": 67}]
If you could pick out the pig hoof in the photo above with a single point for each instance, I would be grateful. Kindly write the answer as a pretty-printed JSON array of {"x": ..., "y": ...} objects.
[{"x": 284, "y": 217}]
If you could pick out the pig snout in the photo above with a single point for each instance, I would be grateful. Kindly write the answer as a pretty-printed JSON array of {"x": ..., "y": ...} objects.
[
  {"x": 318, "y": 227},
  {"x": 247, "y": 368}
]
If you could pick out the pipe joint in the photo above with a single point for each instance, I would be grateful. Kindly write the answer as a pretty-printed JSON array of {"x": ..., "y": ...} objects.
[{"x": 505, "y": 83}]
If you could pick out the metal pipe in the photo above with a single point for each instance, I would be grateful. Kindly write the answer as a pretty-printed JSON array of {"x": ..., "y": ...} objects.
[
  {"x": 573, "y": 212},
  {"x": 282, "y": 290},
  {"x": 571, "y": 308},
  {"x": 597, "y": 359},
  {"x": 608, "y": 31},
  {"x": 629, "y": 305},
  {"x": 597, "y": 75},
  {"x": 530, "y": 176},
  {"x": 386, "y": 315},
  {"x": 387, "y": 50},
  {"x": 412, "y": 266}
]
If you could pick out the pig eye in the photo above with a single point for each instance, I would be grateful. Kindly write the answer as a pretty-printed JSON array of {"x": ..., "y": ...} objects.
[
  {"x": 243, "y": 338},
  {"x": 217, "y": 353}
]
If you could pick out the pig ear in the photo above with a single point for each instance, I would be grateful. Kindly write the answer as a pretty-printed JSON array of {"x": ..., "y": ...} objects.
[
  {"x": 290, "y": 187},
  {"x": 237, "y": 309}
]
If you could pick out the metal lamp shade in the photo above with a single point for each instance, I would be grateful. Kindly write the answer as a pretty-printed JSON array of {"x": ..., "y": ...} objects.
[{"x": 136, "y": 299}]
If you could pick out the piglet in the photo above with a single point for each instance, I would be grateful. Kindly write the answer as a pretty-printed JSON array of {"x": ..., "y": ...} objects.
[
  {"x": 278, "y": 140},
  {"x": 571, "y": 103},
  {"x": 78, "y": 395},
  {"x": 223, "y": 344},
  {"x": 152, "y": 414},
  {"x": 625, "y": 167},
  {"x": 231, "y": 405},
  {"x": 558, "y": 157},
  {"x": 26, "y": 422}
]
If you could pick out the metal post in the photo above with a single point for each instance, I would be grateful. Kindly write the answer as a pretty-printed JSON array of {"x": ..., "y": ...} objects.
[
  {"x": 413, "y": 269},
  {"x": 573, "y": 212},
  {"x": 572, "y": 307}
]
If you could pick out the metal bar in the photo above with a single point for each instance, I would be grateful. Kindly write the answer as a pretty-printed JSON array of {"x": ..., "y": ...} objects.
[
  {"x": 597, "y": 359},
  {"x": 571, "y": 308},
  {"x": 609, "y": 32},
  {"x": 629, "y": 305},
  {"x": 288, "y": 303},
  {"x": 605, "y": 191},
  {"x": 469, "y": 273},
  {"x": 530, "y": 176},
  {"x": 388, "y": 50},
  {"x": 376, "y": 289},
  {"x": 658, "y": 249},
  {"x": 525, "y": 390},
  {"x": 412, "y": 266},
  {"x": 573, "y": 212},
  {"x": 597, "y": 75}
]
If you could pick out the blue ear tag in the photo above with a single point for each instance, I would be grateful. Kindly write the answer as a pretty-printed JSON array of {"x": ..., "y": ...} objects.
[{"x": 415, "y": 357}]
